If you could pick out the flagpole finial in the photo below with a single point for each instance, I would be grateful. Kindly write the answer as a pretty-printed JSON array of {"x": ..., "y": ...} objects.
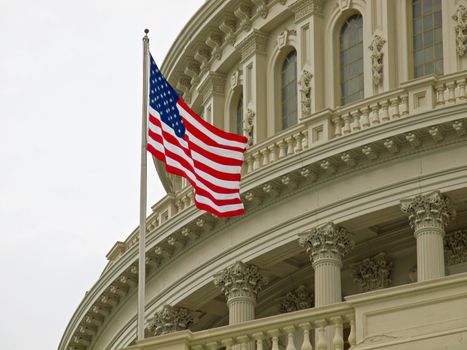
[{"x": 146, "y": 31}]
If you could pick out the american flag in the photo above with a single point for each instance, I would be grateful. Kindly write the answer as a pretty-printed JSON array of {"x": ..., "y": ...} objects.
[{"x": 209, "y": 158}]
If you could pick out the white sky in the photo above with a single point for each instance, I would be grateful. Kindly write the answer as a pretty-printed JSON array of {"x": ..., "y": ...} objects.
[{"x": 70, "y": 110}]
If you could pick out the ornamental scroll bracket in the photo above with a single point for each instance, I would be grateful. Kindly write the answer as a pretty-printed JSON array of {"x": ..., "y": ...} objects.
[{"x": 376, "y": 49}]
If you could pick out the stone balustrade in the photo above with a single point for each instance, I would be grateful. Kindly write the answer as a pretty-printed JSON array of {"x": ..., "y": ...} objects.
[
  {"x": 284, "y": 145},
  {"x": 294, "y": 330},
  {"x": 414, "y": 97}
]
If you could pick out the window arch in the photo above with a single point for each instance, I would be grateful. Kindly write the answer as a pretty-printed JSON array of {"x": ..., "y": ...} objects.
[
  {"x": 351, "y": 59},
  {"x": 239, "y": 116},
  {"x": 289, "y": 90},
  {"x": 427, "y": 37}
]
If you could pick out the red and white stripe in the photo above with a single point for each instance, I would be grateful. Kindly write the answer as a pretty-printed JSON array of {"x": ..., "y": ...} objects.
[{"x": 209, "y": 158}]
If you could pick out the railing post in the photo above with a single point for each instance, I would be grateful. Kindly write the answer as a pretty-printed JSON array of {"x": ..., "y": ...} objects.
[
  {"x": 306, "y": 345},
  {"x": 321, "y": 341},
  {"x": 290, "y": 330},
  {"x": 274, "y": 334}
]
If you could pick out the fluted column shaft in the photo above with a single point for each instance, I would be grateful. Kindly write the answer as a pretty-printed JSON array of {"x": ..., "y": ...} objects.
[
  {"x": 428, "y": 216},
  {"x": 328, "y": 288},
  {"x": 430, "y": 253},
  {"x": 241, "y": 309}
]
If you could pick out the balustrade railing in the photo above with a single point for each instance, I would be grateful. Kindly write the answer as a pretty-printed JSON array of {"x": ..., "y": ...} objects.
[
  {"x": 286, "y": 144},
  {"x": 315, "y": 328}
]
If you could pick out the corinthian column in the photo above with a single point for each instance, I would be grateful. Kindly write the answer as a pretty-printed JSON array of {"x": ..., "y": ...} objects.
[
  {"x": 240, "y": 283},
  {"x": 326, "y": 246},
  {"x": 428, "y": 216}
]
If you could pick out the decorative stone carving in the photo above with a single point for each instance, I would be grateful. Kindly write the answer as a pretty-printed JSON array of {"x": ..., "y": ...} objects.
[
  {"x": 304, "y": 86},
  {"x": 328, "y": 241},
  {"x": 261, "y": 7},
  {"x": 431, "y": 210},
  {"x": 345, "y": 4},
  {"x": 376, "y": 48},
  {"x": 298, "y": 299},
  {"x": 373, "y": 273},
  {"x": 248, "y": 125},
  {"x": 240, "y": 280},
  {"x": 283, "y": 37},
  {"x": 171, "y": 319},
  {"x": 455, "y": 247},
  {"x": 235, "y": 79},
  {"x": 461, "y": 29}
]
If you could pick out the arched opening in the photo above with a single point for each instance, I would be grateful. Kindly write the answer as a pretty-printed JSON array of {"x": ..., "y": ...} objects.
[{"x": 351, "y": 60}]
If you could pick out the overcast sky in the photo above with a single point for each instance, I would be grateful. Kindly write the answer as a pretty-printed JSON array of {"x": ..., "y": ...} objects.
[{"x": 70, "y": 110}]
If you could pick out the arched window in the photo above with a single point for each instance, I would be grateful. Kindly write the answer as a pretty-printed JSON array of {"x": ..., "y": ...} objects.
[
  {"x": 427, "y": 37},
  {"x": 289, "y": 90},
  {"x": 239, "y": 116},
  {"x": 351, "y": 59}
]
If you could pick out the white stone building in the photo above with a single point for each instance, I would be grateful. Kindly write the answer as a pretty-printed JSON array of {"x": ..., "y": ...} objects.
[{"x": 355, "y": 185}]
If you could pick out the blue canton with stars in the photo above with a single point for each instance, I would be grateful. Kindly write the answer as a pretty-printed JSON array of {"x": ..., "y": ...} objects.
[{"x": 163, "y": 98}]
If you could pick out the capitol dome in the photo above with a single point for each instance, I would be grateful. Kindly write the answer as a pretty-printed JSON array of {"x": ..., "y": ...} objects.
[{"x": 354, "y": 185}]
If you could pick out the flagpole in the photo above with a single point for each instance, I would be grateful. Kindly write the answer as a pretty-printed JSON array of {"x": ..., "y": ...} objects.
[{"x": 143, "y": 194}]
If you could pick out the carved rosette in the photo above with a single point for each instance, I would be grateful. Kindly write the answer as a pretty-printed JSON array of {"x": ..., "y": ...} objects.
[
  {"x": 376, "y": 49},
  {"x": 373, "y": 273},
  {"x": 298, "y": 299},
  {"x": 326, "y": 242},
  {"x": 240, "y": 280},
  {"x": 304, "y": 86},
  {"x": 433, "y": 210},
  {"x": 171, "y": 319},
  {"x": 455, "y": 247},
  {"x": 461, "y": 29}
]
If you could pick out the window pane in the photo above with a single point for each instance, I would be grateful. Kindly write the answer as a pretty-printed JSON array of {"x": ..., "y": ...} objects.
[
  {"x": 351, "y": 60},
  {"x": 289, "y": 90},
  {"x": 427, "y": 37},
  {"x": 239, "y": 120}
]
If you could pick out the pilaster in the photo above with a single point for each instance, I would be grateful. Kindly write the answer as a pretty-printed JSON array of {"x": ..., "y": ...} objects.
[
  {"x": 253, "y": 64},
  {"x": 310, "y": 55},
  {"x": 212, "y": 93},
  {"x": 429, "y": 215}
]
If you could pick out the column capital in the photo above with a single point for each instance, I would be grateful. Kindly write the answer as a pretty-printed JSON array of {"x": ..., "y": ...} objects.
[
  {"x": 373, "y": 273},
  {"x": 297, "y": 299},
  {"x": 431, "y": 210},
  {"x": 240, "y": 280},
  {"x": 305, "y": 8},
  {"x": 253, "y": 43},
  {"x": 326, "y": 242},
  {"x": 170, "y": 319},
  {"x": 213, "y": 84}
]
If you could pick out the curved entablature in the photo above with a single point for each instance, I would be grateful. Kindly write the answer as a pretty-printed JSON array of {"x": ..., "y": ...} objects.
[{"x": 232, "y": 54}]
